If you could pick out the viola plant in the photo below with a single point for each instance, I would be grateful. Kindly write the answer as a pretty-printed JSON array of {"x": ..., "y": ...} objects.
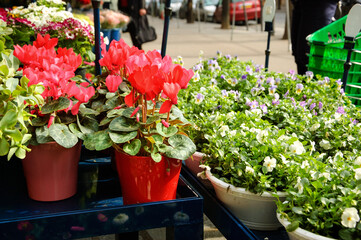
[
  {"x": 267, "y": 131},
  {"x": 135, "y": 104},
  {"x": 58, "y": 119}
]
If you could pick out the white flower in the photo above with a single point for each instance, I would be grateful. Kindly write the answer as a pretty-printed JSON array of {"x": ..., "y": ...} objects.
[
  {"x": 249, "y": 170},
  {"x": 315, "y": 127},
  {"x": 350, "y": 217},
  {"x": 305, "y": 164},
  {"x": 358, "y": 161},
  {"x": 312, "y": 146},
  {"x": 320, "y": 157},
  {"x": 299, "y": 185},
  {"x": 270, "y": 163},
  {"x": 223, "y": 130},
  {"x": 283, "y": 138},
  {"x": 358, "y": 173},
  {"x": 327, "y": 175},
  {"x": 297, "y": 148},
  {"x": 325, "y": 144},
  {"x": 284, "y": 159},
  {"x": 350, "y": 138},
  {"x": 256, "y": 111},
  {"x": 261, "y": 136},
  {"x": 233, "y": 133}
]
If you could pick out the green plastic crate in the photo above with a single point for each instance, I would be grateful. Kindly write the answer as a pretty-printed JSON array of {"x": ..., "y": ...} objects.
[{"x": 327, "y": 56}]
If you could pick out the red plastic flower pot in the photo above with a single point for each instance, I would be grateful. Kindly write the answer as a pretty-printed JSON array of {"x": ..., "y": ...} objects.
[
  {"x": 143, "y": 180},
  {"x": 51, "y": 171}
]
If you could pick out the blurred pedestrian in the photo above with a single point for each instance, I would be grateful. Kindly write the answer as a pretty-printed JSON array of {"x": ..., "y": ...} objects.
[
  {"x": 135, "y": 9},
  {"x": 308, "y": 17}
]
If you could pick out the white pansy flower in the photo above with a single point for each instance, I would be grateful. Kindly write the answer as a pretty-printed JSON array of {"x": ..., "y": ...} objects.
[
  {"x": 299, "y": 185},
  {"x": 261, "y": 136},
  {"x": 233, "y": 133},
  {"x": 315, "y": 127},
  {"x": 270, "y": 163},
  {"x": 314, "y": 175},
  {"x": 284, "y": 159},
  {"x": 297, "y": 148},
  {"x": 327, "y": 175},
  {"x": 338, "y": 155},
  {"x": 305, "y": 164},
  {"x": 249, "y": 170},
  {"x": 202, "y": 89},
  {"x": 325, "y": 144},
  {"x": 358, "y": 161},
  {"x": 350, "y": 217},
  {"x": 358, "y": 173},
  {"x": 350, "y": 138},
  {"x": 256, "y": 111},
  {"x": 223, "y": 130}
]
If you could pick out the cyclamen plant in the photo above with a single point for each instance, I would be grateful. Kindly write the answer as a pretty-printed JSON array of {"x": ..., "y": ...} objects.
[
  {"x": 135, "y": 104},
  {"x": 59, "y": 118}
]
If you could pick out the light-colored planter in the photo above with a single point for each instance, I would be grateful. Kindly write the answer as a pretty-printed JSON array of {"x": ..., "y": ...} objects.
[
  {"x": 257, "y": 212},
  {"x": 301, "y": 234}
]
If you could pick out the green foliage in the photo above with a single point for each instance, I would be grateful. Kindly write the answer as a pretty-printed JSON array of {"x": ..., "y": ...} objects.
[{"x": 15, "y": 97}]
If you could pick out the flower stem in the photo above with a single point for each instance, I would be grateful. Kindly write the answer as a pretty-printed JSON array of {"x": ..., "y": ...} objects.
[{"x": 145, "y": 109}]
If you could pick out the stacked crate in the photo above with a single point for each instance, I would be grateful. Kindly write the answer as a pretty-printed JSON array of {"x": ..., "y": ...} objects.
[{"x": 327, "y": 56}]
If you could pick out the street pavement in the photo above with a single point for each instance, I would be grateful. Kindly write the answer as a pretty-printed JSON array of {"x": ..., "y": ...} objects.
[{"x": 188, "y": 39}]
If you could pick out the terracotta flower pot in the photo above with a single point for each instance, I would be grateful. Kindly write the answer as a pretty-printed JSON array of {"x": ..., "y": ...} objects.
[
  {"x": 193, "y": 165},
  {"x": 51, "y": 171},
  {"x": 143, "y": 180}
]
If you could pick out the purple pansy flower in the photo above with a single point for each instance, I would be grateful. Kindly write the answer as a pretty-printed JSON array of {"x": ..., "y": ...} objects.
[
  {"x": 264, "y": 108},
  {"x": 253, "y": 104},
  {"x": 340, "y": 110},
  {"x": 312, "y": 106},
  {"x": 299, "y": 88},
  {"x": 199, "y": 98}
]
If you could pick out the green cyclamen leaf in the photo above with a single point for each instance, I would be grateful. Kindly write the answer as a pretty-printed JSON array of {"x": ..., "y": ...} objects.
[
  {"x": 101, "y": 140},
  {"x": 133, "y": 147},
  {"x": 166, "y": 131},
  {"x": 122, "y": 137},
  {"x": 156, "y": 157},
  {"x": 122, "y": 124},
  {"x": 62, "y": 135},
  {"x": 182, "y": 147},
  {"x": 56, "y": 105}
]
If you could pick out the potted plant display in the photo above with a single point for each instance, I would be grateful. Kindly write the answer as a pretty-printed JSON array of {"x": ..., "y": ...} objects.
[
  {"x": 56, "y": 127},
  {"x": 257, "y": 129},
  {"x": 50, "y": 17},
  {"x": 135, "y": 108}
]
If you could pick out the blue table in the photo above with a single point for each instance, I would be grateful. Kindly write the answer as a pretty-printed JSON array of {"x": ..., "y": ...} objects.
[{"x": 96, "y": 209}]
